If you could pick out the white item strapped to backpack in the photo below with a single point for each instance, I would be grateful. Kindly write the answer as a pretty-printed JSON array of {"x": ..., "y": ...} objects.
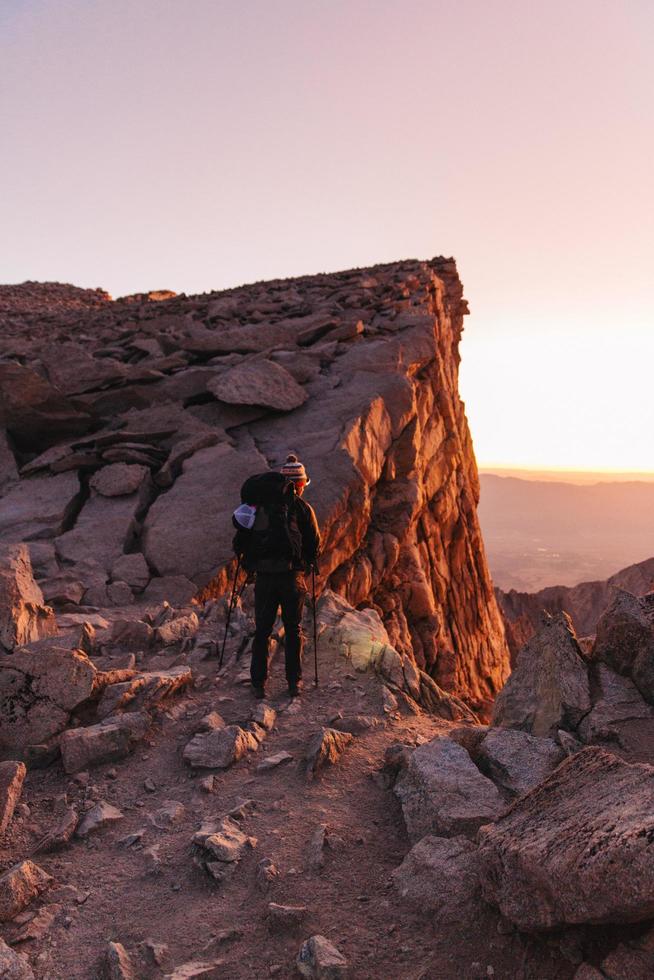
[{"x": 245, "y": 516}]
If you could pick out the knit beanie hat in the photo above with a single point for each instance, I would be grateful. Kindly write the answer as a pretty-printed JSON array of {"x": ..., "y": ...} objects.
[{"x": 294, "y": 469}]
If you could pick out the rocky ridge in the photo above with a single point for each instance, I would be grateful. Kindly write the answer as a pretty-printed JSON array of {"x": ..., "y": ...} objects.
[{"x": 127, "y": 427}]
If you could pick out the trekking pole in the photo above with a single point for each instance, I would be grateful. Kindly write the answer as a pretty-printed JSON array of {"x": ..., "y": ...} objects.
[
  {"x": 315, "y": 627},
  {"x": 232, "y": 604}
]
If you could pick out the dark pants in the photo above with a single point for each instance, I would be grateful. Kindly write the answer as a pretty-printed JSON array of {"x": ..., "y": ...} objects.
[{"x": 272, "y": 590}]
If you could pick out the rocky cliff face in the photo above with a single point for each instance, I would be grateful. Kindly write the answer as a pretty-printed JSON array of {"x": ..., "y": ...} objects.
[{"x": 126, "y": 429}]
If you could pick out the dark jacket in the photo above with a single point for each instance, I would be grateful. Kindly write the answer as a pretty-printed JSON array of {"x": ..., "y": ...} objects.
[{"x": 304, "y": 533}]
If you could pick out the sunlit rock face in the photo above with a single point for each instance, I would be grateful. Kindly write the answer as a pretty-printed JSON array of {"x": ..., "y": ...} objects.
[{"x": 357, "y": 372}]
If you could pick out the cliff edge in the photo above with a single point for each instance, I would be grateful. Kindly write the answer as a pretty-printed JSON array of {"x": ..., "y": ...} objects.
[{"x": 127, "y": 427}]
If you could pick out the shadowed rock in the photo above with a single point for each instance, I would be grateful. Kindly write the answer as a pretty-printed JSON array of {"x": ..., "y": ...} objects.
[
  {"x": 23, "y": 615},
  {"x": 35, "y": 413},
  {"x": 439, "y": 875},
  {"x": 12, "y": 775},
  {"x": 548, "y": 688},
  {"x": 625, "y": 639},
  {"x": 517, "y": 761},
  {"x": 617, "y": 703}
]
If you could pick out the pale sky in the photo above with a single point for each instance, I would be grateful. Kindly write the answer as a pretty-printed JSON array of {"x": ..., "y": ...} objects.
[{"x": 199, "y": 144}]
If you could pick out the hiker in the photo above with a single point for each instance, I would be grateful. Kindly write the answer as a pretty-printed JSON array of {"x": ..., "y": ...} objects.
[{"x": 278, "y": 539}]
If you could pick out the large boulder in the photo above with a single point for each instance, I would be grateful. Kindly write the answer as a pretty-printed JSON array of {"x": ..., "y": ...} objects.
[
  {"x": 259, "y": 382},
  {"x": 206, "y": 493},
  {"x": 33, "y": 412},
  {"x": 442, "y": 792},
  {"x": 625, "y": 639},
  {"x": 577, "y": 849},
  {"x": 23, "y": 615},
  {"x": 548, "y": 688},
  {"x": 517, "y": 761},
  {"x": 439, "y": 875},
  {"x": 38, "y": 508},
  {"x": 39, "y": 688},
  {"x": 618, "y": 704}
]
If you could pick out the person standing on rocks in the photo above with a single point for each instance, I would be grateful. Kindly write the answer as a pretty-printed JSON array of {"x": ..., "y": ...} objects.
[{"x": 277, "y": 539}]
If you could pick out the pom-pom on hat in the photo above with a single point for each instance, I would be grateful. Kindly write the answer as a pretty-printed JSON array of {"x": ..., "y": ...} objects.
[{"x": 293, "y": 469}]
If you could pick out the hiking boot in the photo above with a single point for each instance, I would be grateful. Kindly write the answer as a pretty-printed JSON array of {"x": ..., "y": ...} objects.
[
  {"x": 259, "y": 691},
  {"x": 295, "y": 690}
]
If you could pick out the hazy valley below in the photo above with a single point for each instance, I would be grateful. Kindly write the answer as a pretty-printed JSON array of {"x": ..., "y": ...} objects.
[{"x": 540, "y": 532}]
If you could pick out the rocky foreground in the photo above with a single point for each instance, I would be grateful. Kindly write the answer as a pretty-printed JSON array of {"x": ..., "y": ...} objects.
[{"x": 178, "y": 828}]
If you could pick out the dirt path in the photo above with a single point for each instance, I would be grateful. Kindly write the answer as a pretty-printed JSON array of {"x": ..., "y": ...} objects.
[{"x": 350, "y": 900}]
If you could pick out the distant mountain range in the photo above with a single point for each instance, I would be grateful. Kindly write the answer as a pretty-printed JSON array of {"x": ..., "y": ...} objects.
[
  {"x": 540, "y": 533},
  {"x": 585, "y": 603}
]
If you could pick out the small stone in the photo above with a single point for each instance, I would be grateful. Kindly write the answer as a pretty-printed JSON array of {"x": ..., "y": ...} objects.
[
  {"x": 319, "y": 959},
  {"x": 156, "y": 952},
  {"x": 118, "y": 479},
  {"x": 272, "y": 761},
  {"x": 153, "y": 860},
  {"x": 60, "y": 834},
  {"x": 325, "y": 748},
  {"x": 221, "y": 843},
  {"x": 285, "y": 918},
  {"x": 19, "y": 886},
  {"x": 117, "y": 963},
  {"x": 176, "y": 630},
  {"x": 100, "y": 815},
  {"x": 316, "y": 852},
  {"x": 150, "y": 785},
  {"x": 219, "y": 749},
  {"x": 207, "y": 784},
  {"x": 12, "y": 775},
  {"x": 210, "y": 969},
  {"x": 267, "y": 871},
  {"x": 211, "y": 722},
  {"x": 132, "y": 839},
  {"x": 168, "y": 815},
  {"x": 265, "y": 716}
]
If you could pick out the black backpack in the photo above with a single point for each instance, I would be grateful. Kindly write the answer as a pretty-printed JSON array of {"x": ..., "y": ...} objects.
[{"x": 274, "y": 543}]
